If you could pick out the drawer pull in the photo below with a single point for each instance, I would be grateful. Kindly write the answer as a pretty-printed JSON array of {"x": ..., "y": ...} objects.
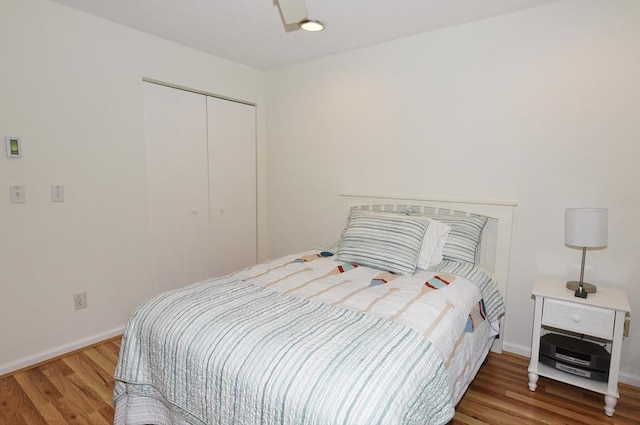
[{"x": 576, "y": 318}]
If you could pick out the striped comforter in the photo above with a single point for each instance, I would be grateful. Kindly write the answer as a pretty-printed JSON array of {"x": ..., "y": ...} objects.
[{"x": 307, "y": 340}]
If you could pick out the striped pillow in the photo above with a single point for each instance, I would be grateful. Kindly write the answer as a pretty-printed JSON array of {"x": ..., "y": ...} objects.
[
  {"x": 390, "y": 243},
  {"x": 464, "y": 237}
]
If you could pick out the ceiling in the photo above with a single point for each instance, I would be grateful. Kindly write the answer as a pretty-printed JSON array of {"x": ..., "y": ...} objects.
[{"x": 251, "y": 32}]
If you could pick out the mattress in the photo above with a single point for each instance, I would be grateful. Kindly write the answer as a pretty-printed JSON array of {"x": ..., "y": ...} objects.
[{"x": 308, "y": 339}]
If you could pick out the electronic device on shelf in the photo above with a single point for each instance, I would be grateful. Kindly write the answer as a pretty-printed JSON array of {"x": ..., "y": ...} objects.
[{"x": 575, "y": 356}]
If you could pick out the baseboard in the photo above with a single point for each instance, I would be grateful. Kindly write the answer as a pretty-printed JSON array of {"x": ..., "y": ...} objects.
[
  {"x": 520, "y": 350},
  {"x": 58, "y": 351},
  {"x": 629, "y": 379},
  {"x": 625, "y": 378}
]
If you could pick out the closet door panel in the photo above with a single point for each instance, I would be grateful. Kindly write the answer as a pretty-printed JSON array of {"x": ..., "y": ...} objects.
[
  {"x": 232, "y": 183},
  {"x": 176, "y": 136},
  {"x": 194, "y": 196}
]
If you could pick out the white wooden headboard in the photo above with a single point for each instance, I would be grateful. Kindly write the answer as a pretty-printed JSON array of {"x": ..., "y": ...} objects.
[{"x": 495, "y": 248}]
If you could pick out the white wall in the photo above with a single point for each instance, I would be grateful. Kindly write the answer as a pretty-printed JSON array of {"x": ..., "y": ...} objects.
[
  {"x": 71, "y": 88},
  {"x": 540, "y": 106}
]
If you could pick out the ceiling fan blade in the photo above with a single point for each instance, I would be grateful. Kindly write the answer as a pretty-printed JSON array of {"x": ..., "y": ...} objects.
[{"x": 293, "y": 11}]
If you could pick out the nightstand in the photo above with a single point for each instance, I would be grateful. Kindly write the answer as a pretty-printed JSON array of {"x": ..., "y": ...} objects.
[{"x": 601, "y": 315}]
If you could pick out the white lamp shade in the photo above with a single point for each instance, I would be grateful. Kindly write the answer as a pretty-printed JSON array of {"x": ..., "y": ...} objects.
[{"x": 586, "y": 227}]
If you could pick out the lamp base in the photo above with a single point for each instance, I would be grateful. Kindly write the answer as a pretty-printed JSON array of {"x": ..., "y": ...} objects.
[
  {"x": 588, "y": 287},
  {"x": 580, "y": 292}
]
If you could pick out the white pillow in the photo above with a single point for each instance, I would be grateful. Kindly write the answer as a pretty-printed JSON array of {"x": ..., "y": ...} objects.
[
  {"x": 463, "y": 239},
  {"x": 432, "y": 244}
]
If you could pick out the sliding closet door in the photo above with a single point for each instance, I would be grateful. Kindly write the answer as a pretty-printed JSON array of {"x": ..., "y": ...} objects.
[
  {"x": 177, "y": 174},
  {"x": 232, "y": 183}
]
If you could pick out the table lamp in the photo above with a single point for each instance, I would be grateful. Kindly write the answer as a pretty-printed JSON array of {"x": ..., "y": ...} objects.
[{"x": 585, "y": 228}]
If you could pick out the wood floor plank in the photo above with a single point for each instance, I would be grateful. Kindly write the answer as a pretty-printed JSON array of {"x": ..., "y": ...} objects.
[
  {"x": 92, "y": 375},
  {"x": 77, "y": 389},
  {"x": 72, "y": 412},
  {"x": 108, "y": 365},
  {"x": 109, "y": 350},
  {"x": 13, "y": 401},
  {"x": 97, "y": 419},
  {"x": 58, "y": 365},
  {"x": 551, "y": 408},
  {"x": 51, "y": 415},
  {"x": 68, "y": 387},
  {"x": 462, "y": 419},
  {"x": 107, "y": 413},
  {"x": 488, "y": 414},
  {"x": 37, "y": 387}
]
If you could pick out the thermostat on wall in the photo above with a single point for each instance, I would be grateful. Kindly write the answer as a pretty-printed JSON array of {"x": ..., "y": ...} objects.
[{"x": 14, "y": 147}]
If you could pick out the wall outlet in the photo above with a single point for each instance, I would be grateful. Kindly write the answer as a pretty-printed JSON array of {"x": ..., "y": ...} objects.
[{"x": 80, "y": 300}]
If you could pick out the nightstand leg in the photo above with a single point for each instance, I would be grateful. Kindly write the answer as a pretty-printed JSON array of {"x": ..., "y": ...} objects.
[
  {"x": 535, "y": 345},
  {"x": 611, "y": 398},
  {"x": 533, "y": 381},
  {"x": 610, "y": 404}
]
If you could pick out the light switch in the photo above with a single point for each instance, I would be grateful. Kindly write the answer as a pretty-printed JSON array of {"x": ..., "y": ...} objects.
[
  {"x": 57, "y": 193},
  {"x": 17, "y": 195}
]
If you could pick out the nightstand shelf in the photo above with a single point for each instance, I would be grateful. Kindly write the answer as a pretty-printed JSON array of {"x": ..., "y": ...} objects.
[
  {"x": 601, "y": 316},
  {"x": 567, "y": 378}
]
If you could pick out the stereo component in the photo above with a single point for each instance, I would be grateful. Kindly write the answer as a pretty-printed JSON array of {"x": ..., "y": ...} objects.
[{"x": 575, "y": 356}]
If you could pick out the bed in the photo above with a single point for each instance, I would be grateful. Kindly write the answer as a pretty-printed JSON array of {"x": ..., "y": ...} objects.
[{"x": 388, "y": 325}]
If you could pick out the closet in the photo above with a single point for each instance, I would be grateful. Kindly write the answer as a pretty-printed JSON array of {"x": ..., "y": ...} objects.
[{"x": 201, "y": 179}]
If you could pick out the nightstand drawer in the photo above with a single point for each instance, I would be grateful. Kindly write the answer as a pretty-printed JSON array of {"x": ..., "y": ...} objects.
[{"x": 582, "y": 319}]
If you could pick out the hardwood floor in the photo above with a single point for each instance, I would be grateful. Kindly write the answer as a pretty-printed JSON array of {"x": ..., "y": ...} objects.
[
  {"x": 77, "y": 389},
  {"x": 499, "y": 395},
  {"x": 73, "y": 389}
]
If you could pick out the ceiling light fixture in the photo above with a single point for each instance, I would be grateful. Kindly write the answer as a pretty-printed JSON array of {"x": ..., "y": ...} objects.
[{"x": 311, "y": 25}]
